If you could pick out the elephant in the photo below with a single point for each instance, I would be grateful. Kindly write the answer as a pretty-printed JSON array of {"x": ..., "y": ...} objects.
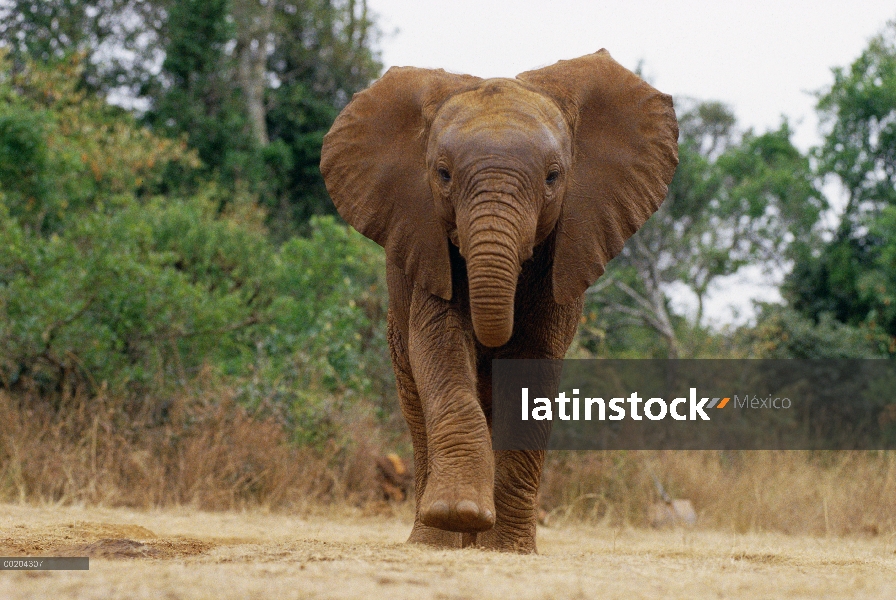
[{"x": 498, "y": 203}]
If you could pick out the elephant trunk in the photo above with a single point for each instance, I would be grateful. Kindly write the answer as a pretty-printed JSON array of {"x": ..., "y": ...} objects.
[{"x": 492, "y": 270}]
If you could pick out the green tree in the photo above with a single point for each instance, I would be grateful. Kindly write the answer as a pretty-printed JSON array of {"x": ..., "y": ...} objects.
[
  {"x": 252, "y": 84},
  {"x": 255, "y": 85},
  {"x": 119, "y": 37},
  {"x": 858, "y": 116},
  {"x": 195, "y": 95},
  {"x": 853, "y": 278},
  {"x": 64, "y": 151},
  {"x": 323, "y": 53}
]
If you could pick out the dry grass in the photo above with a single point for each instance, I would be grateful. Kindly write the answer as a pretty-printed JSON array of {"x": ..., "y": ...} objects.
[
  {"x": 824, "y": 493},
  {"x": 184, "y": 553},
  {"x": 204, "y": 450}
]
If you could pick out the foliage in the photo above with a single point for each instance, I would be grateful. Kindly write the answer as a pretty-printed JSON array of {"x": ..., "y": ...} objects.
[
  {"x": 781, "y": 332},
  {"x": 104, "y": 302},
  {"x": 858, "y": 113},
  {"x": 323, "y": 52},
  {"x": 118, "y": 37},
  {"x": 153, "y": 293},
  {"x": 255, "y": 86},
  {"x": 853, "y": 278},
  {"x": 194, "y": 95},
  {"x": 106, "y": 284},
  {"x": 324, "y": 331},
  {"x": 63, "y": 150},
  {"x": 298, "y": 122}
]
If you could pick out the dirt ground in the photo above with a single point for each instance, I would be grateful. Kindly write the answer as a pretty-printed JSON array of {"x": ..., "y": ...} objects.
[{"x": 189, "y": 554}]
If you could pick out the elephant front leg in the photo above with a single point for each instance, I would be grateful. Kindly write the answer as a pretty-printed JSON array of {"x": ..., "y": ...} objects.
[
  {"x": 409, "y": 400},
  {"x": 460, "y": 463}
]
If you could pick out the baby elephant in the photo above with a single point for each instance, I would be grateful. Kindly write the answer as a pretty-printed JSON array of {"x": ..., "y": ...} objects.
[{"x": 498, "y": 202}]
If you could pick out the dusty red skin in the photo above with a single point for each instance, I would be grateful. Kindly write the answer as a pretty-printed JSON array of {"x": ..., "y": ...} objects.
[{"x": 498, "y": 202}]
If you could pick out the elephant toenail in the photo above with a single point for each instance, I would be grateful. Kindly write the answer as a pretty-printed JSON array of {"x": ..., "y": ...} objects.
[
  {"x": 467, "y": 509},
  {"x": 439, "y": 509}
]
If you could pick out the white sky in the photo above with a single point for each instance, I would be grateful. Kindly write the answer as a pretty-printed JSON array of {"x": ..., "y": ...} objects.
[
  {"x": 760, "y": 57},
  {"x": 763, "y": 58}
]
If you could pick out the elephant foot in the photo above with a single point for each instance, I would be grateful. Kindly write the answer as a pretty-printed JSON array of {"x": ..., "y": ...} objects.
[
  {"x": 457, "y": 509},
  {"x": 504, "y": 539},
  {"x": 430, "y": 536}
]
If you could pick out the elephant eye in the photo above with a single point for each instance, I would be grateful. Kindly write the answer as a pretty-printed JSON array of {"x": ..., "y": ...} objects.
[
  {"x": 444, "y": 174},
  {"x": 552, "y": 177}
]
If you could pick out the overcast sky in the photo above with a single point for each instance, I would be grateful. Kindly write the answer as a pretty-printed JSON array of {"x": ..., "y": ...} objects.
[
  {"x": 763, "y": 58},
  {"x": 760, "y": 57}
]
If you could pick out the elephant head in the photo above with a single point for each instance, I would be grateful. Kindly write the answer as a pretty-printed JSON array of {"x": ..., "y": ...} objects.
[{"x": 583, "y": 149}]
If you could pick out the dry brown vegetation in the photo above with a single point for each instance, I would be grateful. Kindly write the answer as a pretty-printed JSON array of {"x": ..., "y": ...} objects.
[
  {"x": 127, "y": 486},
  {"x": 203, "y": 450},
  {"x": 795, "y": 492},
  {"x": 206, "y": 451}
]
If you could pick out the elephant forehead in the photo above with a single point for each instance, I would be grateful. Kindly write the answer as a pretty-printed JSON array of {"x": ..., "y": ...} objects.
[{"x": 500, "y": 115}]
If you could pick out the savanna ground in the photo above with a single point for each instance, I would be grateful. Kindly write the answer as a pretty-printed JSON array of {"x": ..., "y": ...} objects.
[{"x": 345, "y": 553}]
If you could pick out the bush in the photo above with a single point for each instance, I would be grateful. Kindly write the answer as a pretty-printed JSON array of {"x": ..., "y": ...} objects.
[
  {"x": 782, "y": 332},
  {"x": 141, "y": 300},
  {"x": 104, "y": 284}
]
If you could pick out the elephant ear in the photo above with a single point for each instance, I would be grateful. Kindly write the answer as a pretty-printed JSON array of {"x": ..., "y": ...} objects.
[
  {"x": 625, "y": 139},
  {"x": 374, "y": 165}
]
